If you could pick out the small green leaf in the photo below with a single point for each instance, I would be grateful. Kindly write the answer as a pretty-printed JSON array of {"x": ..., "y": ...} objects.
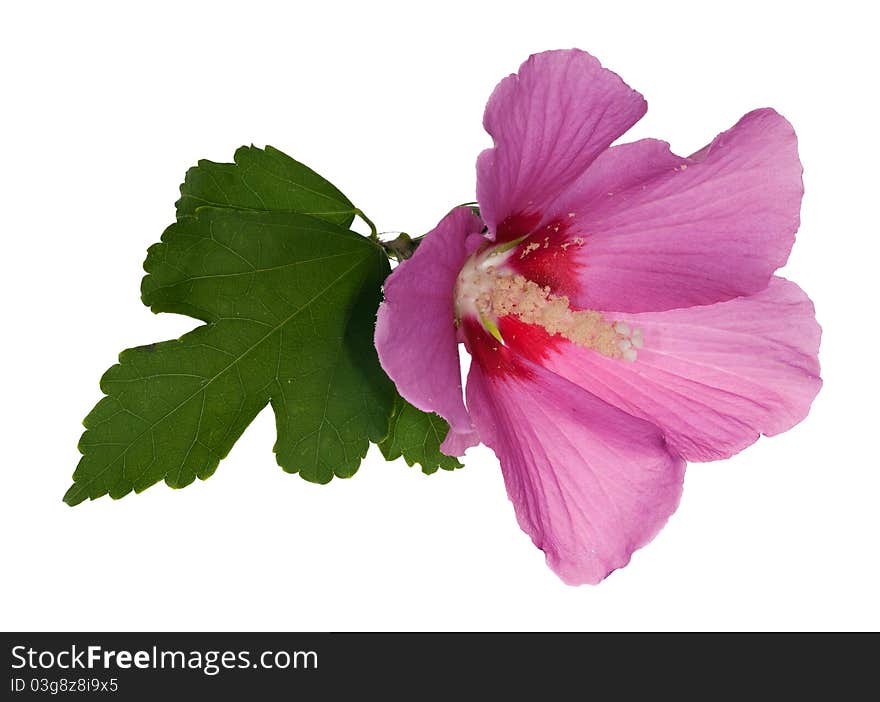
[
  {"x": 290, "y": 304},
  {"x": 265, "y": 180},
  {"x": 417, "y": 436}
]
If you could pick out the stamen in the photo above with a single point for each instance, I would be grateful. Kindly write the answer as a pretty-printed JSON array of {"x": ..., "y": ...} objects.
[{"x": 503, "y": 294}]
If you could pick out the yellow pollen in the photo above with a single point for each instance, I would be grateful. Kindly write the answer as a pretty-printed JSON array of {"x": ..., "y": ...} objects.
[
  {"x": 528, "y": 249},
  {"x": 504, "y": 294}
]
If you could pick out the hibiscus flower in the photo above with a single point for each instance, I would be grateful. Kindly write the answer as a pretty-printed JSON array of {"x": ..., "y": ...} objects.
[{"x": 619, "y": 305}]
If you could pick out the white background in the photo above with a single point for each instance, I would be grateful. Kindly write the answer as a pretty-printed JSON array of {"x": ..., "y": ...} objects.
[{"x": 105, "y": 107}]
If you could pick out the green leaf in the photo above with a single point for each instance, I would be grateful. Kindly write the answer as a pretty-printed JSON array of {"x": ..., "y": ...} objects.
[
  {"x": 417, "y": 436},
  {"x": 265, "y": 180},
  {"x": 290, "y": 303}
]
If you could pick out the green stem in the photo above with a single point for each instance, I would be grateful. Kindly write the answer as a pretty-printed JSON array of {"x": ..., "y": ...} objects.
[
  {"x": 404, "y": 245},
  {"x": 374, "y": 233}
]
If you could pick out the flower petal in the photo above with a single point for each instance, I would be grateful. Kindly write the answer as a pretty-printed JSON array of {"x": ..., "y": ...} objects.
[
  {"x": 590, "y": 484},
  {"x": 415, "y": 332},
  {"x": 713, "y": 378},
  {"x": 548, "y": 123},
  {"x": 656, "y": 231}
]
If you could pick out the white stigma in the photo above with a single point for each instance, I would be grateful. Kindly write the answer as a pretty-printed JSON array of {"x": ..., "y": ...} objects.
[{"x": 631, "y": 340}]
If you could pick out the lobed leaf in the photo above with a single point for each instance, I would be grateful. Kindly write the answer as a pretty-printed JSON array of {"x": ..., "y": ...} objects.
[
  {"x": 417, "y": 436},
  {"x": 265, "y": 180},
  {"x": 289, "y": 297}
]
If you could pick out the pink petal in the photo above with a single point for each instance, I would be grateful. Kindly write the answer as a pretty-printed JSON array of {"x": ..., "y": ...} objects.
[
  {"x": 415, "y": 332},
  {"x": 589, "y": 483},
  {"x": 657, "y": 231},
  {"x": 713, "y": 378},
  {"x": 548, "y": 123}
]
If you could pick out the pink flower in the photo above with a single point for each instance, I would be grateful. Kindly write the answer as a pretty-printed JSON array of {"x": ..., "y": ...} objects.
[{"x": 621, "y": 310}]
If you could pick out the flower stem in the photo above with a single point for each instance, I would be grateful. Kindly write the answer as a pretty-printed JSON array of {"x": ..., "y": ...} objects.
[{"x": 402, "y": 247}]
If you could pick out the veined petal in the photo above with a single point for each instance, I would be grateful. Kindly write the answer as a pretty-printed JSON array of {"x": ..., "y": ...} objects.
[
  {"x": 415, "y": 331},
  {"x": 589, "y": 483},
  {"x": 713, "y": 378},
  {"x": 548, "y": 122},
  {"x": 656, "y": 231}
]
